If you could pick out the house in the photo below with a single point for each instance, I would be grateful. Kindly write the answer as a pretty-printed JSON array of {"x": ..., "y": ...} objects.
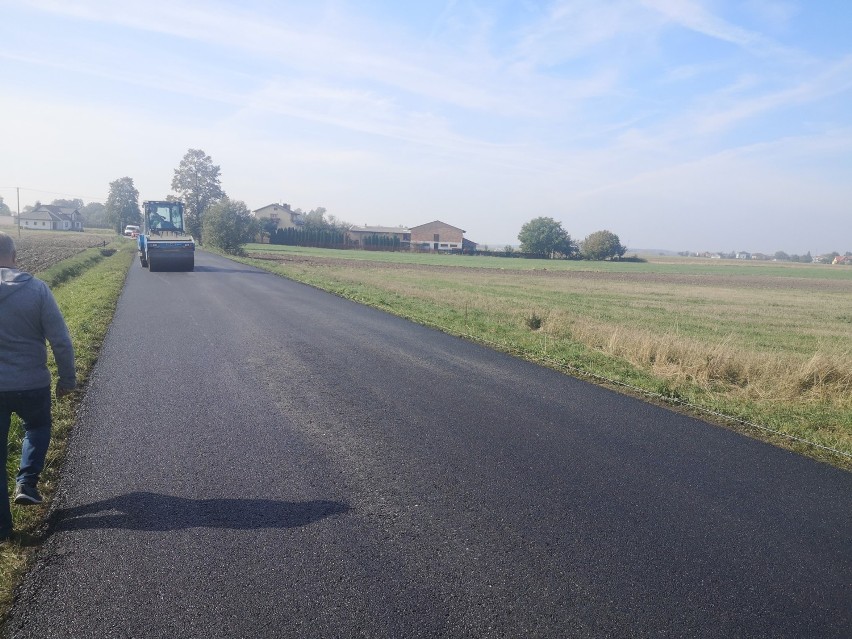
[
  {"x": 842, "y": 259},
  {"x": 282, "y": 214},
  {"x": 49, "y": 217},
  {"x": 437, "y": 236},
  {"x": 361, "y": 236}
]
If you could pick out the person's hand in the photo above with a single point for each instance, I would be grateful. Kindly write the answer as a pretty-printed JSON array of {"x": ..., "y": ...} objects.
[{"x": 62, "y": 392}]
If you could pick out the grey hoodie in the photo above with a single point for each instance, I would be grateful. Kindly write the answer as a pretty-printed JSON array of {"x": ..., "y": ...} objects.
[{"x": 29, "y": 316}]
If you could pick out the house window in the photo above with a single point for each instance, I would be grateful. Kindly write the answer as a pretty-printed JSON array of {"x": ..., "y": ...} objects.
[{"x": 436, "y": 237}]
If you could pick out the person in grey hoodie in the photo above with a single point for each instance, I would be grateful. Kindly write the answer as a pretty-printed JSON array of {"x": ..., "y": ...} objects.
[{"x": 29, "y": 317}]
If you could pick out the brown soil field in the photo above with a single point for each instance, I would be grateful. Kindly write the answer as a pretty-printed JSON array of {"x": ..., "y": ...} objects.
[{"x": 39, "y": 250}]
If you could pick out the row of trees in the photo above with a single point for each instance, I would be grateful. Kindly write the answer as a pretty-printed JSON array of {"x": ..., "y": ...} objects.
[
  {"x": 545, "y": 236},
  {"x": 210, "y": 215},
  {"x": 309, "y": 236},
  {"x": 825, "y": 258},
  {"x": 93, "y": 213}
]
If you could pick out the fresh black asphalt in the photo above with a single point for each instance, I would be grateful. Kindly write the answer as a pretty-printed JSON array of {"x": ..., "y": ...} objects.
[{"x": 257, "y": 458}]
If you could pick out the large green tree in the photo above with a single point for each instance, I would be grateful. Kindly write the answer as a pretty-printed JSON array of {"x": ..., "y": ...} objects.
[
  {"x": 94, "y": 213},
  {"x": 228, "y": 225},
  {"x": 316, "y": 220},
  {"x": 602, "y": 245},
  {"x": 76, "y": 203},
  {"x": 122, "y": 205},
  {"x": 268, "y": 227},
  {"x": 545, "y": 236},
  {"x": 4, "y": 208},
  {"x": 197, "y": 183}
]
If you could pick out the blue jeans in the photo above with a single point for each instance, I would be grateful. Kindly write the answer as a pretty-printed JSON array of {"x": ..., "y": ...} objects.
[{"x": 33, "y": 407}]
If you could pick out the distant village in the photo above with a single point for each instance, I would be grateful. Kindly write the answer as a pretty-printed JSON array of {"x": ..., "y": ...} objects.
[
  {"x": 434, "y": 235},
  {"x": 779, "y": 256}
]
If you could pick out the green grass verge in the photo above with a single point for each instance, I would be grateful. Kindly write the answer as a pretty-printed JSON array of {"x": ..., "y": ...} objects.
[{"x": 86, "y": 288}]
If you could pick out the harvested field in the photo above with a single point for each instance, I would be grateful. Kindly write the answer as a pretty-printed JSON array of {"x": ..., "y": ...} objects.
[
  {"x": 710, "y": 280},
  {"x": 39, "y": 250}
]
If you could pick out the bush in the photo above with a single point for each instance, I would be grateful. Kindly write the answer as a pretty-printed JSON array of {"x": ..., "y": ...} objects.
[{"x": 228, "y": 225}]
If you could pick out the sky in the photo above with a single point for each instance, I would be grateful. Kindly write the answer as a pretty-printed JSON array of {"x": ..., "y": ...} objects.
[{"x": 687, "y": 125}]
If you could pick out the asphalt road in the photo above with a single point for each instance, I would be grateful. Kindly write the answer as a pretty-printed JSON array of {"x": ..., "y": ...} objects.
[{"x": 257, "y": 458}]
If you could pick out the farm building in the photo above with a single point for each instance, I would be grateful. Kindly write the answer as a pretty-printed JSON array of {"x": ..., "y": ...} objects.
[
  {"x": 364, "y": 235},
  {"x": 48, "y": 217},
  {"x": 437, "y": 236}
]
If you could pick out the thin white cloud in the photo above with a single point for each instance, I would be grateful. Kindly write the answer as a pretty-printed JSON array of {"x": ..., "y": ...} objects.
[
  {"x": 691, "y": 14},
  {"x": 572, "y": 29},
  {"x": 833, "y": 81}
]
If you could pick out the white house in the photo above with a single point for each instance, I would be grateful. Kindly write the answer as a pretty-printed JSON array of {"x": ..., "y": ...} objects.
[{"x": 49, "y": 217}]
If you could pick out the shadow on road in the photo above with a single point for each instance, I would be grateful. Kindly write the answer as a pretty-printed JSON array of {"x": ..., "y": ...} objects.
[
  {"x": 150, "y": 511},
  {"x": 218, "y": 269}
]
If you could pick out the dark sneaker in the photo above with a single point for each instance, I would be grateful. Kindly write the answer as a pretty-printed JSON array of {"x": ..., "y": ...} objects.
[{"x": 27, "y": 495}]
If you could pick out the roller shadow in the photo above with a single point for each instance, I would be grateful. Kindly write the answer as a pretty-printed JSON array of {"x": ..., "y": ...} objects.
[
  {"x": 151, "y": 511},
  {"x": 219, "y": 269}
]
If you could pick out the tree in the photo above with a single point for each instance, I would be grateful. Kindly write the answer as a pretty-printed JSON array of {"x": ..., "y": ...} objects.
[
  {"x": 315, "y": 219},
  {"x": 29, "y": 208},
  {"x": 338, "y": 225},
  {"x": 122, "y": 205},
  {"x": 781, "y": 256},
  {"x": 602, "y": 245},
  {"x": 268, "y": 227},
  {"x": 196, "y": 181},
  {"x": 545, "y": 236},
  {"x": 228, "y": 225},
  {"x": 76, "y": 203},
  {"x": 4, "y": 208},
  {"x": 95, "y": 215}
]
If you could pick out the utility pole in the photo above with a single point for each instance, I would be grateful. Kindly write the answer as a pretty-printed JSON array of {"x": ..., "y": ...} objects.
[{"x": 18, "y": 192}]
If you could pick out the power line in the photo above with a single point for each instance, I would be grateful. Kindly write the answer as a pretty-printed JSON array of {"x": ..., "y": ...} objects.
[{"x": 71, "y": 195}]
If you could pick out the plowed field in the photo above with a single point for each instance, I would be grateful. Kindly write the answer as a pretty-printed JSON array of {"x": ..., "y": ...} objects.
[{"x": 39, "y": 250}]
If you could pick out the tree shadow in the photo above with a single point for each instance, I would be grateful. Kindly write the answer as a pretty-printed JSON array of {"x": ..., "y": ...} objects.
[
  {"x": 151, "y": 511},
  {"x": 220, "y": 269}
]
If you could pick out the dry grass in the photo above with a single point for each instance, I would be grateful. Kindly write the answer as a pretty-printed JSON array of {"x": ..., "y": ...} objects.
[{"x": 723, "y": 367}]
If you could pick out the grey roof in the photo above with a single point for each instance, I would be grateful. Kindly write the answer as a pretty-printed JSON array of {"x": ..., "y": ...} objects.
[{"x": 51, "y": 212}]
